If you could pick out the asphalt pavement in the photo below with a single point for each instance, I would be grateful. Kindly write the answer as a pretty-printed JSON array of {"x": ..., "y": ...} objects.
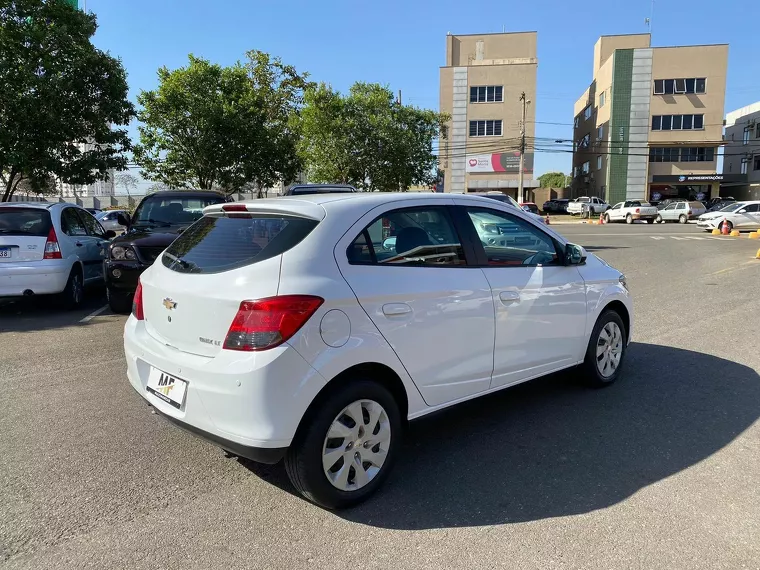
[{"x": 660, "y": 470}]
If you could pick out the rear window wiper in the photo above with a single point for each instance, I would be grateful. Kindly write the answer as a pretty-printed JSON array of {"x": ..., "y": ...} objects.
[{"x": 189, "y": 265}]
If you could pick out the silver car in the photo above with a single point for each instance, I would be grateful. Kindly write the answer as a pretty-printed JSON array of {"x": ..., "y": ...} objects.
[
  {"x": 681, "y": 211},
  {"x": 108, "y": 219}
]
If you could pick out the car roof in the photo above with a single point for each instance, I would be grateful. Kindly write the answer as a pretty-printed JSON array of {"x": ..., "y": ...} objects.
[{"x": 41, "y": 205}]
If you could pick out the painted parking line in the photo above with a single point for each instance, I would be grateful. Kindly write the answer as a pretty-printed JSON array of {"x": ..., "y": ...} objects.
[{"x": 94, "y": 314}]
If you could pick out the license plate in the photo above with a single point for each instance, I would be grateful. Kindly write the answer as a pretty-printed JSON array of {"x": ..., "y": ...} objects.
[
  {"x": 5, "y": 252},
  {"x": 166, "y": 387}
]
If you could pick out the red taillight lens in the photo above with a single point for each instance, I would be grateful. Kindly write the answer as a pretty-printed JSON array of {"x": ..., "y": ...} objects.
[
  {"x": 638, "y": 210},
  {"x": 52, "y": 249},
  {"x": 690, "y": 212},
  {"x": 137, "y": 303},
  {"x": 266, "y": 323},
  {"x": 236, "y": 211}
]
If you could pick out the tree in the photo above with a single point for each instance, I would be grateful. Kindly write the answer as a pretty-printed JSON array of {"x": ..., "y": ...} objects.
[
  {"x": 62, "y": 100},
  {"x": 211, "y": 127},
  {"x": 367, "y": 138},
  {"x": 553, "y": 180},
  {"x": 127, "y": 181}
]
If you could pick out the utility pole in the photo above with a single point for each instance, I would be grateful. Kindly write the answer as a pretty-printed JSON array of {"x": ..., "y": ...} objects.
[
  {"x": 399, "y": 97},
  {"x": 522, "y": 150}
]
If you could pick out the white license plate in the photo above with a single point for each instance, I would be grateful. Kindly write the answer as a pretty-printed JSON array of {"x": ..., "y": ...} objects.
[
  {"x": 166, "y": 387},
  {"x": 5, "y": 252}
]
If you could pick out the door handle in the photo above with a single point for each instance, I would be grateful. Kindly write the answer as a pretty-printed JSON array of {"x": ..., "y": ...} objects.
[
  {"x": 79, "y": 244},
  {"x": 395, "y": 309},
  {"x": 507, "y": 297}
]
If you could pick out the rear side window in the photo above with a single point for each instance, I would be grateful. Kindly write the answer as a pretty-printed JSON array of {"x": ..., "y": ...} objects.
[
  {"x": 216, "y": 244},
  {"x": 24, "y": 222}
]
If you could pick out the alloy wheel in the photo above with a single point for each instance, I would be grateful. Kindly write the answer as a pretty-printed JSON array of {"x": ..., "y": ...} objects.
[
  {"x": 77, "y": 291},
  {"x": 356, "y": 445},
  {"x": 609, "y": 349}
]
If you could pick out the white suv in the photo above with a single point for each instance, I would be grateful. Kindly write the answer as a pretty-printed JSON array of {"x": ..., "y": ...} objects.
[
  {"x": 297, "y": 328},
  {"x": 50, "y": 249}
]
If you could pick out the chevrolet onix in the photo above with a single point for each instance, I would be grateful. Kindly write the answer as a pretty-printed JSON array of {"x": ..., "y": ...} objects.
[{"x": 311, "y": 328}]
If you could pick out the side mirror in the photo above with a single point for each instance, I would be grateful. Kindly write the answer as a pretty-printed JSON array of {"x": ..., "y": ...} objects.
[
  {"x": 123, "y": 219},
  {"x": 389, "y": 244},
  {"x": 110, "y": 234},
  {"x": 742, "y": 211},
  {"x": 574, "y": 254}
]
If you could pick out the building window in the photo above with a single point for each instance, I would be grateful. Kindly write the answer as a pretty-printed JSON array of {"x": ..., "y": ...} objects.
[
  {"x": 745, "y": 137},
  {"x": 599, "y": 162},
  {"x": 487, "y": 94},
  {"x": 600, "y": 133},
  {"x": 681, "y": 154},
  {"x": 678, "y": 122},
  {"x": 756, "y": 165},
  {"x": 679, "y": 86},
  {"x": 577, "y": 120},
  {"x": 587, "y": 113},
  {"x": 576, "y": 171},
  {"x": 602, "y": 98},
  {"x": 485, "y": 128},
  {"x": 586, "y": 168},
  {"x": 584, "y": 142},
  {"x": 757, "y": 131},
  {"x": 745, "y": 164}
]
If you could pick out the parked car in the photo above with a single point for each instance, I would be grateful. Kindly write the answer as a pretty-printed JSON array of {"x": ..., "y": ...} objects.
[
  {"x": 304, "y": 189},
  {"x": 94, "y": 211},
  {"x": 715, "y": 206},
  {"x": 156, "y": 223},
  {"x": 283, "y": 328},
  {"x": 109, "y": 219},
  {"x": 739, "y": 215},
  {"x": 585, "y": 206},
  {"x": 507, "y": 199},
  {"x": 50, "y": 249},
  {"x": 529, "y": 207},
  {"x": 680, "y": 211},
  {"x": 630, "y": 211},
  {"x": 556, "y": 206}
]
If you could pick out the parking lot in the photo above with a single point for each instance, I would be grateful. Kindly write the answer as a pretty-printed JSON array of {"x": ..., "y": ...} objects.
[{"x": 658, "y": 471}]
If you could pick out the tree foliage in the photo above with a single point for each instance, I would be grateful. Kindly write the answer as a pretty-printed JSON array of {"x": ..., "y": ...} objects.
[
  {"x": 553, "y": 180},
  {"x": 367, "y": 139},
  {"x": 61, "y": 99},
  {"x": 210, "y": 127}
]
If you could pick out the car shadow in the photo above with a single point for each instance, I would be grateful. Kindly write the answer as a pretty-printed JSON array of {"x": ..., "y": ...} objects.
[
  {"x": 552, "y": 447},
  {"x": 40, "y": 313}
]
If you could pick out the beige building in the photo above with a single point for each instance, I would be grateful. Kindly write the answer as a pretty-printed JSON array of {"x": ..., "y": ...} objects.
[
  {"x": 481, "y": 85},
  {"x": 650, "y": 124},
  {"x": 741, "y": 161}
]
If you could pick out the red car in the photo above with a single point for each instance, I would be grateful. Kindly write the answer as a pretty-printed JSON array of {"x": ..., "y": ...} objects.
[{"x": 529, "y": 207}]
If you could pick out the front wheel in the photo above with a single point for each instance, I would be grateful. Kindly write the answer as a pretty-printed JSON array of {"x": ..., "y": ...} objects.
[
  {"x": 606, "y": 350},
  {"x": 346, "y": 448},
  {"x": 629, "y": 219},
  {"x": 606, "y": 218},
  {"x": 658, "y": 219}
]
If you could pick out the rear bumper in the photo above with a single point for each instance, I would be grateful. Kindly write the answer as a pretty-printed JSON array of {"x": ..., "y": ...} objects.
[
  {"x": 45, "y": 277},
  {"x": 248, "y": 403}
]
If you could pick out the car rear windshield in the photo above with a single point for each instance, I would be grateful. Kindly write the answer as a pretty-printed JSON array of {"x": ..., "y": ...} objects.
[
  {"x": 24, "y": 221},
  {"x": 173, "y": 210},
  {"x": 216, "y": 244}
]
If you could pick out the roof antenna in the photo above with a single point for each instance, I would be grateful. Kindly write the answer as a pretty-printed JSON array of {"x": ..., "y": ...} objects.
[{"x": 648, "y": 21}]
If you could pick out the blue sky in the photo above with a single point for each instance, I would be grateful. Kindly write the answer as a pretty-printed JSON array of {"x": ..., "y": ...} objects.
[{"x": 402, "y": 43}]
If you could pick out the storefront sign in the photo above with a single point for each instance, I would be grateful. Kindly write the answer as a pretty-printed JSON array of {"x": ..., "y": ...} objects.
[
  {"x": 499, "y": 162},
  {"x": 697, "y": 178}
]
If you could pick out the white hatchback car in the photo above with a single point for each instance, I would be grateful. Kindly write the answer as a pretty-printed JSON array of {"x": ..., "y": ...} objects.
[
  {"x": 739, "y": 216},
  {"x": 48, "y": 249},
  {"x": 283, "y": 328}
]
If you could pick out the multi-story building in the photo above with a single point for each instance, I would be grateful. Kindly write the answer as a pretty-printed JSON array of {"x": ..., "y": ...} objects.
[
  {"x": 481, "y": 87},
  {"x": 741, "y": 161},
  {"x": 650, "y": 124}
]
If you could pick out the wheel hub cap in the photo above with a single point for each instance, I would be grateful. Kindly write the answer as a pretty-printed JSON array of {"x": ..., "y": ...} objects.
[{"x": 609, "y": 349}]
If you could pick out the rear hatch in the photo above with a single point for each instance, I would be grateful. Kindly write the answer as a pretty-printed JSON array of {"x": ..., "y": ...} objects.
[
  {"x": 23, "y": 233},
  {"x": 193, "y": 292}
]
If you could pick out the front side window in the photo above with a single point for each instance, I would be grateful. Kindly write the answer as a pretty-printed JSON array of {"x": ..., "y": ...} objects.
[
  {"x": 413, "y": 237},
  {"x": 510, "y": 241},
  {"x": 71, "y": 224}
]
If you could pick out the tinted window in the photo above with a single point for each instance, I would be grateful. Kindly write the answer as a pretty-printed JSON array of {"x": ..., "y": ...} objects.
[
  {"x": 24, "y": 222},
  {"x": 91, "y": 224},
  {"x": 215, "y": 244},
  {"x": 172, "y": 210},
  {"x": 71, "y": 224},
  {"x": 421, "y": 237},
  {"x": 508, "y": 240},
  {"x": 752, "y": 208}
]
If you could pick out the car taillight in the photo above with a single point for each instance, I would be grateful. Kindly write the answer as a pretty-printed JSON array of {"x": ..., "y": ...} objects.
[
  {"x": 266, "y": 323},
  {"x": 52, "y": 249},
  {"x": 137, "y": 303},
  {"x": 236, "y": 211},
  {"x": 638, "y": 210},
  {"x": 690, "y": 212}
]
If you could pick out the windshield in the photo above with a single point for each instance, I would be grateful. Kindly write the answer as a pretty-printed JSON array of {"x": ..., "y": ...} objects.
[
  {"x": 24, "y": 221},
  {"x": 172, "y": 210}
]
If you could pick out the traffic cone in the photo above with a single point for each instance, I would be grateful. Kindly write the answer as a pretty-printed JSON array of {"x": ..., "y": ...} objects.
[
  {"x": 757, "y": 255},
  {"x": 548, "y": 222},
  {"x": 601, "y": 220},
  {"x": 724, "y": 227}
]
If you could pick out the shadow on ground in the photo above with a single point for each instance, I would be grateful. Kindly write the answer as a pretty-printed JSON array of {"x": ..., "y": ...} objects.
[
  {"x": 45, "y": 313},
  {"x": 553, "y": 448}
]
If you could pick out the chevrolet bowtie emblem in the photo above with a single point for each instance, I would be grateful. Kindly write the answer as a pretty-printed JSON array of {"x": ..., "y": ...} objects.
[{"x": 169, "y": 304}]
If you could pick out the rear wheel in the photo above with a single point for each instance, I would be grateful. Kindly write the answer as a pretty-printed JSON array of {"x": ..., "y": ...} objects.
[
  {"x": 118, "y": 301},
  {"x": 629, "y": 219},
  {"x": 346, "y": 448},
  {"x": 658, "y": 219},
  {"x": 606, "y": 350},
  {"x": 682, "y": 219},
  {"x": 650, "y": 221},
  {"x": 73, "y": 294}
]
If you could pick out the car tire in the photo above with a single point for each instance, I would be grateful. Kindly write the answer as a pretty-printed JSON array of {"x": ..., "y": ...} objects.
[
  {"x": 629, "y": 219},
  {"x": 307, "y": 462},
  {"x": 682, "y": 219},
  {"x": 120, "y": 303},
  {"x": 597, "y": 372},
  {"x": 606, "y": 218},
  {"x": 650, "y": 221},
  {"x": 658, "y": 219},
  {"x": 73, "y": 294}
]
